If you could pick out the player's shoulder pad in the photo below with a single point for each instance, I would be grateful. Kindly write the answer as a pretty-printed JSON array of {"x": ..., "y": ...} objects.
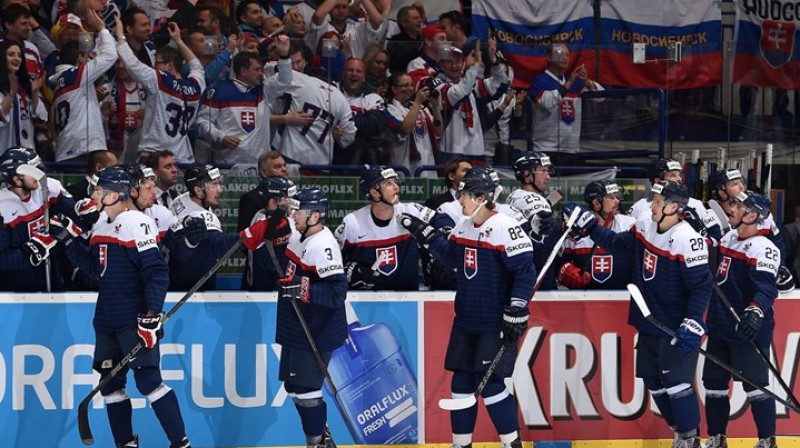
[
  {"x": 689, "y": 245},
  {"x": 504, "y": 232},
  {"x": 138, "y": 228},
  {"x": 414, "y": 209},
  {"x": 623, "y": 222},
  {"x": 55, "y": 188},
  {"x": 766, "y": 255},
  {"x": 162, "y": 216},
  {"x": 324, "y": 253}
]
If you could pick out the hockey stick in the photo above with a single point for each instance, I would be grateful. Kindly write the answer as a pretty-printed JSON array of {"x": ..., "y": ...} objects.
[
  {"x": 83, "y": 408},
  {"x": 720, "y": 212},
  {"x": 638, "y": 298},
  {"x": 763, "y": 355},
  {"x": 41, "y": 176},
  {"x": 767, "y": 184},
  {"x": 455, "y": 404},
  {"x": 317, "y": 355}
]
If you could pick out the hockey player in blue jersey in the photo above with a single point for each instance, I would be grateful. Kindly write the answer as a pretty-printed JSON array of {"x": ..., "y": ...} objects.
[
  {"x": 670, "y": 267},
  {"x": 373, "y": 233},
  {"x": 495, "y": 279},
  {"x": 587, "y": 265},
  {"x": 748, "y": 266},
  {"x": 132, "y": 277},
  {"x": 315, "y": 279}
]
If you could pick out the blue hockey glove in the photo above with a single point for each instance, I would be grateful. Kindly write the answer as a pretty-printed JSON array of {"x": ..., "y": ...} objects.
[
  {"x": 38, "y": 248},
  {"x": 64, "y": 229},
  {"x": 149, "y": 328},
  {"x": 422, "y": 231},
  {"x": 692, "y": 216},
  {"x": 359, "y": 276},
  {"x": 784, "y": 281},
  {"x": 688, "y": 336},
  {"x": 515, "y": 322},
  {"x": 585, "y": 223},
  {"x": 542, "y": 224},
  {"x": 750, "y": 323},
  {"x": 295, "y": 287},
  {"x": 195, "y": 230}
]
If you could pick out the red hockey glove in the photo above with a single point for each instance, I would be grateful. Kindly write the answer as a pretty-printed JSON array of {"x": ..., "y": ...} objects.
[
  {"x": 149, "y": 328},
  {"x": 87, "y": 211},
  {"x": 573, "y": 277},
  {"x": 254, "y": 235},
  {"x": 295, "y": 287},
  {"x": 64, "y": 229}
]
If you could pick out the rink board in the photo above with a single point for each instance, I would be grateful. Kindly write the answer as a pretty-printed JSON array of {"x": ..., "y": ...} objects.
[{"x": 573, "y": 380}]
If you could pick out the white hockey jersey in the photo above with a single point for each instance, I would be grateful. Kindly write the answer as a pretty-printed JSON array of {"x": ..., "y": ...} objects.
[
  {"x": 528, "y": 202},
  {"x": 16, "y": 127},
  {"x": 183, "y": 206},
  {"x": 415, "y": 149},
  {"x": 163, "y": 218}
]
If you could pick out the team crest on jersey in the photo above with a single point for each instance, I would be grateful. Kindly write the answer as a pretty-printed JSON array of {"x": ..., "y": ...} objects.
[
  {"x": 131, "y": 122},
  {"x": 248, "y": 118},
  {"x": 470, "y": 262},
  {"x": 291, "y": 268},
  {"x": 777, "y": 42},
  {"x": 723, "y": 269},
  {"x": 567, "y": 111},
  {"x": 102, "y": 251},
  {"x": 649, "y": 264},
  {"x": 388, "y": 258},
  {"x": 36, "y": 226},
  {"x": 602, "y": 268}
]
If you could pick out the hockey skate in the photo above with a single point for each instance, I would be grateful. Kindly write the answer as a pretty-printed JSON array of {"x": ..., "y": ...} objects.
[
  {"x": 691, "y": 442},
  {"x": 717, "y": 441},
  {"x": 769, "y": 442},
  {"x": 132, "y": 444},
  {"x": 323, "y": 441},
  {"x": 184, "y": 443},
  {"x": 461, "y": 446},
  {"x": 517, "y": 443}
]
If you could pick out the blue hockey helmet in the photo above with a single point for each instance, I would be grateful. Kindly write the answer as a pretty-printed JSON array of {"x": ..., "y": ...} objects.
[
  {"x": 276, "y": 187},
  {"x": 197, "y": 175},
  {"x": 113, "y": 178},
  {"x": 529, "y": 161},
  {"x": 14, "y": 157},
  {"x": 659, "y": 167},
  {"x": 599, "y": 189},
  {"x": 718, "y": 179},
  {"x": 481, "y": 180},
  {"x": 755, "y": 202},
  {"x": 138, "y": 173},
  {"x": 372, "y": 178},
  {"x": 311, "y": 199},
  {"x": 672, "y": 192}
]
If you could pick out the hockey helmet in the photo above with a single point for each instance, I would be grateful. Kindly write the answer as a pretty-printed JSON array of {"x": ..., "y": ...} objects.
[
  {"x": 372, "y": 178},
  {"x": 755, "y": 202},
  {"x": 672, "y": 192},
  {"x": 311, "y": 199},
  {"x": 197, "y": 175},
  {"x": 13, "y": 158},
  {"x": 660, "y": 166},
  {"x": 276, "y": 187},
  {"x": 481, "y": 180},
  {"x": 139, "y": 173},
  {"x": 718, "y": 179},
  {"x": 599, "y": 189},
  {"x": 113, "y": 178},
  {"x": 529, "y": 161}
]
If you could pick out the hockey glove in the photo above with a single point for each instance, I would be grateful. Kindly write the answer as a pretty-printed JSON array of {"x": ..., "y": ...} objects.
[
  {"x": 38, "y": 248},
  {"x": 254, "y": 235},
  {"x": 542, "y": 224},
  {"x": 750, "y": 323},
  {"x": 359, "y": 276},
  {"x": 784, "y": 281},
  {"x": 295, "y": 287},
  {"x": 277, "y": 225},
  {"x": 515, "y": 322},
  {"x": 688, "y": 336},
  {"x": 422, "y": 231},
  {"x": 195, "y": 230},
  {"x": 691, "y": 216},
  {"x": 64, "y": 229},
  {"x": 149, "y": 329},
  {"x": 585, "y": 223},
  {"x": 87, "y": 211},
  {"x": 573, "y": 277}
]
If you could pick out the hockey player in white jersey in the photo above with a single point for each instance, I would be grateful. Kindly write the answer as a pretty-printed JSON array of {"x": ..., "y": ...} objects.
[
  {"x": 748, "y": 266},
  {"x": 333, "y": 119},
  {"x": 76, "y": 111},
  {"x": 172, "y": 101},
  {"x": 143, "y": 197}
]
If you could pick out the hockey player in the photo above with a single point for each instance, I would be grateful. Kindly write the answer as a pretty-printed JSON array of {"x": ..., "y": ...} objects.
[
  {"x": 746, "y": 274},
  {"x": 586, "y": 265},
  {"x": 143, "y": 197},
  {"x": 495, "y": 279},
  {"x": 132, "y": 277},
  {"x": 172, "y": 101},
  {"x": 314, "y": 279},
  {"x": 372, "y": 233},
  {"x": 24, "y": 240},
  {"x": 670, "y": 267}
]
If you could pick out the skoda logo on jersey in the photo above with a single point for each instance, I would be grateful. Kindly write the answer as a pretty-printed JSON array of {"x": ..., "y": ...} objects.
[
  {"x": 602, "y": 268},
  {"x": 723, "y": 269},
  {"x": 470, "y": 262},
  {"x": 777, "y": 42},
  {"x": 248, "y": 118},
  {"x": 388, "y": 258},
  {"x": 649, "y": 264}
]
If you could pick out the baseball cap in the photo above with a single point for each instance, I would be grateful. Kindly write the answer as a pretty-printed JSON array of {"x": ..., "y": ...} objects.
[{"x": 431, "y": 30}]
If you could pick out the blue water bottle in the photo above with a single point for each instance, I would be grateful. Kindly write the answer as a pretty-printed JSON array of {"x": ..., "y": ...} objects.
[{"x": 375, "y": 384}]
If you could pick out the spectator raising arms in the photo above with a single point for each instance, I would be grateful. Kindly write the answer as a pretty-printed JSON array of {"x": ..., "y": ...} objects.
[{"x": 19, "y": 98}]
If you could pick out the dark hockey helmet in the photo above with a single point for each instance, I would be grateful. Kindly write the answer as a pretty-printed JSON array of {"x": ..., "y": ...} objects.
[
  {"x": 14, "y": 157},
  {"x": 672, "y": 192},
  {"x": 276, "y": 187},
  {"x": 372, "y": 178},
  {"x": 113, "y": 178},
  {"x": 311, "y": 199},
  {"x": 529, "y": 161},
  {"x": 755, "y": 202},
  {"x": 599, "y": 189},
  {"x": 197, "y": 175},
  {"x": 660, "y": 166},
  {"x": 717, "y": 180},
  {"x": 481, "y": 180},
  {"x": 139, "y": 173}
]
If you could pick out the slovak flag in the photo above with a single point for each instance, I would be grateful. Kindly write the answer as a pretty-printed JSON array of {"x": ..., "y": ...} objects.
[
  {"x": 248, "y": 119},
  {"x": 766, "y": 51}
]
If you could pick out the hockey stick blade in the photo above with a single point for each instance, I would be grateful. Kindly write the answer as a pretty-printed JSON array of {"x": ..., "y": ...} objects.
[
  {"x": 638, "y": 298},
  {"x": 717, "y": 209},
  {"x": 30, "y": 170},
  {"x": 456, "y": 404},
  {"x": 84, "y": 429}
]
